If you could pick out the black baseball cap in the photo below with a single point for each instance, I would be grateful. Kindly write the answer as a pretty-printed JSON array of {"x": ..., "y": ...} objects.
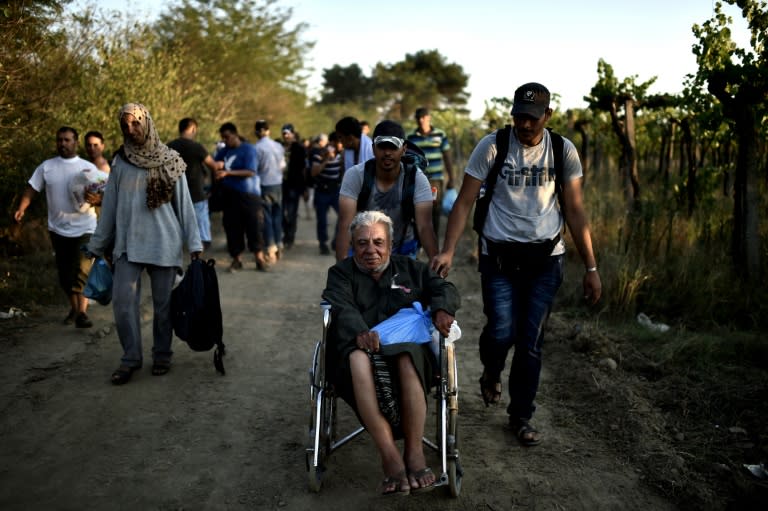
[{"x": 531, "y": 99}]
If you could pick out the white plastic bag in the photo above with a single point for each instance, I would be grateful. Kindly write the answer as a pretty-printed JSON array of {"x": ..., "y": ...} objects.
[
  {"x": 453, "y": 335},
  {"x": 88, "y": 180}
]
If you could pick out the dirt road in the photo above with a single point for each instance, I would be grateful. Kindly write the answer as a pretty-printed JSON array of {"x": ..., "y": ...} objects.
[{"x": 194, "y": 440}]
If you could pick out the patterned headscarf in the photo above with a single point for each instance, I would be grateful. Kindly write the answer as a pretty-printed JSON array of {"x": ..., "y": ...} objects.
[{"x": 163, "y": 165}]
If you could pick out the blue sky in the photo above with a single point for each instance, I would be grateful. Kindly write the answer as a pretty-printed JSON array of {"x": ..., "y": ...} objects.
[{"x": 502, "y": 44}]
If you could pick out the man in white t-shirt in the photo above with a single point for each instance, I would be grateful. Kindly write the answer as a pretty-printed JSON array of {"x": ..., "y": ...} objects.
[
  {"x": 386, "y": 194},
  {"x": 70, "y": 227},
  {"x": 521, "y": 249}
]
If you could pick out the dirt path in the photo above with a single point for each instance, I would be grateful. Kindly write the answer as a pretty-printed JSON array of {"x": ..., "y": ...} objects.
[{"x": 193, "y": 440}]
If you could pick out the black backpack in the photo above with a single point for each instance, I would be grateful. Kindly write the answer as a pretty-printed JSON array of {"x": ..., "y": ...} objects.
[
  {"x": 502, "y": 148},
  {"x": 196, "y": 310},
  {"x": 412, "y": 160}
]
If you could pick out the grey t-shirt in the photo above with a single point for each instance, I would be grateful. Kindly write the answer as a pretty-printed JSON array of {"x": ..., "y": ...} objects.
[
  {"x": 389, "y": 202},
  {"x": 524, "y": 206}
]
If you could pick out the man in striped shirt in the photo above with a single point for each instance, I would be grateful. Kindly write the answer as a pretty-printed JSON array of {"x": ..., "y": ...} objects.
[{"x": 434, "y": 143}]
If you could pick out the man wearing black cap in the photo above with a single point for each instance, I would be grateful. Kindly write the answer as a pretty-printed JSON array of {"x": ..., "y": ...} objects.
[
  {"x": 434, "y": 143},
  {"x": 521, "y": 250},
  {"x": 388, "y": 184}
]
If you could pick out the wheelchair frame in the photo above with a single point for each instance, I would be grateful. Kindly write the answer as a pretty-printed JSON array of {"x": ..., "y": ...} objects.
[{"x": 323, "y": 440}]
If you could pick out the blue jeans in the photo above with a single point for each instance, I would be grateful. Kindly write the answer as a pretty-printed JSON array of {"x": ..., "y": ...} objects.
[
  {"x": 272, "y": 198},
  {"x": 203, "y": 220},
  {"x": 325, "y": 200},
  {"x": 517, "y": 306}
]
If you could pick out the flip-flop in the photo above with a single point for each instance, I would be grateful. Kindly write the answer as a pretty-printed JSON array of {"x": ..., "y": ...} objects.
[
  {"x": 419, "y": 474},
  {"x": 527, "y": 435},
  {"x": 160, "y": 368},
  {"x": 392, "y": 485},
  {"x": 122, "y": 375}
]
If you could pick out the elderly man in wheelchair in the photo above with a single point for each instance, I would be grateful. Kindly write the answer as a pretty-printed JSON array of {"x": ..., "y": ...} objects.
[{"x": 386, "y": 385}]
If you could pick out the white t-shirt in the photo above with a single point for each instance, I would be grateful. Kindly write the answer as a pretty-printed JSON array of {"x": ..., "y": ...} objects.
[
  {"x": 54, "y": 177},
  {"x": 524, "y": 206},
  {"x": 389, "y": 202}
]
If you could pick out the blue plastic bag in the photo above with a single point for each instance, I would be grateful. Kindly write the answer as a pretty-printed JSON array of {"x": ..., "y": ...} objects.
[
  {"x": 449, "y": 197},
  {"x": 99, "y": 284},
  {"x": 407, "y": 325}
]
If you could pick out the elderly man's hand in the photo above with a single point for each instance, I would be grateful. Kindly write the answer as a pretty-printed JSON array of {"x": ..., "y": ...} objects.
[
  {"x": 443, "y": 322},
  {"x": 368, "y": 341}
]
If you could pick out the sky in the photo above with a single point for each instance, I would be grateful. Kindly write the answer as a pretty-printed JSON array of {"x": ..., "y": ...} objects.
[{"x": 502, "y": 44}]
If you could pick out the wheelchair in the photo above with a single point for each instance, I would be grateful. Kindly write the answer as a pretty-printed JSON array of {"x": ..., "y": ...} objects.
[{"x": 325, "y": 439}]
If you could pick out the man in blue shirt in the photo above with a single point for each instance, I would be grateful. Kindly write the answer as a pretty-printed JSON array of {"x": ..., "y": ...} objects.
[{"x": 243, "y": 213}]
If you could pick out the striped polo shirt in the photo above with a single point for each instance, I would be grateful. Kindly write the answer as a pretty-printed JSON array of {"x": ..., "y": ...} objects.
[{"x": 433, "y": 144}]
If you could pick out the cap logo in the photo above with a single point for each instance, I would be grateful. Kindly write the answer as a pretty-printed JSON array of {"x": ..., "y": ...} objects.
[{"x": 529, "y": 95}]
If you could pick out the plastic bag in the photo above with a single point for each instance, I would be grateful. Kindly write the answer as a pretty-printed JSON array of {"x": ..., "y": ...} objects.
[
  {"x": 99, "y": 284},
  {"x": 407, "y": 325},
  {"x": 453, "y": 335},
  {"x": 88, "y": 180},
  {"x": 449, "y": 197}
]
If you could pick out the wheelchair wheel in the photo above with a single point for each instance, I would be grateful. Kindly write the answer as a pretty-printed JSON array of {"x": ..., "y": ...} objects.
[
  {"x": 321, "y": 423},
  {"x": 455, "y": 472}
]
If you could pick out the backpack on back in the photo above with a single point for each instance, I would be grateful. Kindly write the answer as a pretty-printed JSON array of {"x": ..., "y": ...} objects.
[
  {"x": 196, "y": 310},
  {"x": 483, "y": 202}
]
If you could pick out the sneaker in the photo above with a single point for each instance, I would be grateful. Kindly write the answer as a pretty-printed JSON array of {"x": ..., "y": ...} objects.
[
  {"x": 82, "y": 321},
  {"x": 236, "y": 265},
  {"x": 324, "y": 250},
  {"x": 70, "y": 318}
]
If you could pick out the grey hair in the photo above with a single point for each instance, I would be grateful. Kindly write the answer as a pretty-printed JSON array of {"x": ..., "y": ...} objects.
[{"x": 367, "y": 219}]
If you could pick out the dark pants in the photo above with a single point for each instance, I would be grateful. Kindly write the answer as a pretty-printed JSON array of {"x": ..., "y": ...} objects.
[
  {"x": 517, "y": 307},
  {"x": 243, "y": 217},
  {"x": 324, "y": 200},
  {"x": 291, "y": 201},
  {"x": 71, "y": 263}
]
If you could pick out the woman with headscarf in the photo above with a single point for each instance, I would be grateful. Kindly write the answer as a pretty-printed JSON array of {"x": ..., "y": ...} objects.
[{"x": 147, "y": 218}]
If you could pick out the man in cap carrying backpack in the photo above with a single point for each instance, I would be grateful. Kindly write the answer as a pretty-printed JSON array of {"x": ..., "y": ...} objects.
[
  {"x": 521, "y": 252},
  {"x": 391, "y": 184}
]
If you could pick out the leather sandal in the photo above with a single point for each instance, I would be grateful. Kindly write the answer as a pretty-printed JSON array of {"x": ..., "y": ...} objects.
[
  {"x": 122, "y": 375},
  {"x": 490, "y": 389}
]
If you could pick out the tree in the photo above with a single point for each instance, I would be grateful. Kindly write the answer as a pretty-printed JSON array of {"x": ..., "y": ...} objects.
[
  {"x": 421, "y": 79},
  {"x": 738, "y": 78},
  {"x": 246, "y": 45},
  {"x": 345, "y": 84},
  {"x": 621, "y": 100}
]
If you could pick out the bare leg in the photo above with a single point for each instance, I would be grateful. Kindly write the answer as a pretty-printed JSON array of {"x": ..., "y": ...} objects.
[
  {"x": 414, "y": 418},
  {"x": 82, "y": 302},
  {"x": 373, "y": 420}
]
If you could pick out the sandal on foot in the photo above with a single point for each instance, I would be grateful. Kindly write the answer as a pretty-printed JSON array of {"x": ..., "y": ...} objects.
[
  {"x": 160, "y": 368},
  {"x": 490, "y": 389},
  {"x": 527, "y": 435},
  {"x": 393, "y": 485},
  {"x": 123, "y": 374},
  {"x": 413, "y": 478}
]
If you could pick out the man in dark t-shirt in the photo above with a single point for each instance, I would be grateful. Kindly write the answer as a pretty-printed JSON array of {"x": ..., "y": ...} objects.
[{"x": 197, "y": 159}]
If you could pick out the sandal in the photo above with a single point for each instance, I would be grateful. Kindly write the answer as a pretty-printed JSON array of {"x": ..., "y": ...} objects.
[
  {"x": 413, "y": 477},
  {"x": 393, "y": 485},
  {"x": 490, "y": 390},
  {"x": 527, "y": 435},
  {"x": 160, "y": 368},
  {"x": 122, "y": 374}
]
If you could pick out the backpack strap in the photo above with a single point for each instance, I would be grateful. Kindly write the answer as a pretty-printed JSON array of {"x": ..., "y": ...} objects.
[
  {"x": 408, "y": 209},
  {"x": 558, "y": 148},
  {"x": 369, "y": 177},
  {"x": 484, "y": 202}
]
